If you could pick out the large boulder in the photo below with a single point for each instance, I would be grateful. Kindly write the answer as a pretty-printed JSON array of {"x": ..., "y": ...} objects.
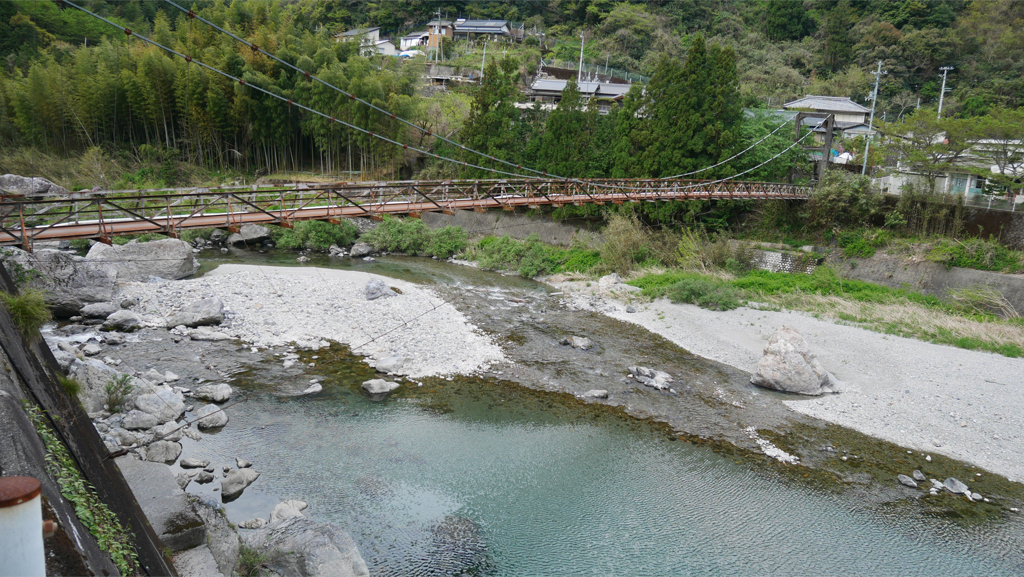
[
  {"x": 93, "y": 375},
  {"x": 375, "y": 289},
  {"x": 166, "y": 506},
  {"x": 14, "y": 185},
  {"x": 379, "y": 387},
  {"x": 163, "y": 452},
  {"x": 135, "y": 420},
  {"x": 99, "y": 310},
  {"x": 250, "y": 234},
  {"x": 200, "y": 313},
  {"x": 211, "y": 417},
  {"x": 217, "y": 393},
  {"x": 123, "y": 320},
  {"x": 70, "y": 282},
  {"x": 361, "y": 249},
  {"x": 306, "y": 548},
  {"x": 169, "y": 258},
  {"x": 397, "y": 365},
  {"x": 164, "y": 404},
  {"x": 655, "y": 379},
  {"x": 236, "y": 481},
  {"x": 220, "y": 536},
  {"x": 788, "y": 365}
]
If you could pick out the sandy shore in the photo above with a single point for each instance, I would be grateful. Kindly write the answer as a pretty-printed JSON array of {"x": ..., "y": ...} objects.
[
  {"x": 274, "y": 306},
  {"x": 934, "y": 398}
]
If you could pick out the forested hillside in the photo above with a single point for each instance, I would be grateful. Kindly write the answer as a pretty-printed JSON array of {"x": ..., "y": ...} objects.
[{"x": 84, "y": 104}]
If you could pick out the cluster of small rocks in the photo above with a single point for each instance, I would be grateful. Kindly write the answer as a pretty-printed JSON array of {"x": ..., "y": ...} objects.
[
  {"x": 951, "y": 484},
  {"x": 652, "y": 378}
]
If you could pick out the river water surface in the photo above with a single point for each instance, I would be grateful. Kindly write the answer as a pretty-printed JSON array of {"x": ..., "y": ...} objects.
[{"x": 481, "y": 476}]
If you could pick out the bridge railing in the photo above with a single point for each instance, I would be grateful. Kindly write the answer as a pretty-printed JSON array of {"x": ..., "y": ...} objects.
[{"x": 102, "y": 215}]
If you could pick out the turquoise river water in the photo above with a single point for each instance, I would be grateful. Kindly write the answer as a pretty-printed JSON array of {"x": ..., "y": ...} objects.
[{"x": 481, "y": 477}]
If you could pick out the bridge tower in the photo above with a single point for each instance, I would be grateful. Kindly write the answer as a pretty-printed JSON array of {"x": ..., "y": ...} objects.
[{"x": 828, "y": 124}]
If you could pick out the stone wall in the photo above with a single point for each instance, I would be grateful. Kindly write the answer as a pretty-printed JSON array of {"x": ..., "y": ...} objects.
[{"x": 784, "y": 262}]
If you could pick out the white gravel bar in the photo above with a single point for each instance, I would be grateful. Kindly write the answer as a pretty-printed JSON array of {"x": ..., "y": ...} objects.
[
  {"x": 275, "y": 306},
  {"x": 968, "y": 405}
]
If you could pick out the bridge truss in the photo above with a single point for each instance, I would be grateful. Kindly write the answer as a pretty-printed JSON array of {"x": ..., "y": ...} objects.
[{"x": 103, "y": 215}]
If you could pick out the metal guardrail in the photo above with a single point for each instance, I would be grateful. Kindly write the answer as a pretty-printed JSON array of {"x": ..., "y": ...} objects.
[
  {"x": 990, "y": 202},
  {"x": 102, "y": 215}
]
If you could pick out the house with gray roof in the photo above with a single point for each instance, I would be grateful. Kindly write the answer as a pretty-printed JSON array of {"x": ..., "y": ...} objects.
[
  {"x": 473, "y": 28},
  {"x": 605, "y": 93}
]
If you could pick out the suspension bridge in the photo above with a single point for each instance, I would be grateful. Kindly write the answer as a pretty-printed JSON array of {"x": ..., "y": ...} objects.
[
  {"x": 106, "y": 214},
  {"x": 103, "y": 215}
]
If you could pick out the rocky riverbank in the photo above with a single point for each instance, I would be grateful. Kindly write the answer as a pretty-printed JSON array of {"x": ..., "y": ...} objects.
[
  {"x": 965, "y": 404},
  {"x": 189, "y": 330}
]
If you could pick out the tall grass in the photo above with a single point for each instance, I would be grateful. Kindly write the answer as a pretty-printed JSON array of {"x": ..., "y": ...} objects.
[{"x": 28, "y": 310}]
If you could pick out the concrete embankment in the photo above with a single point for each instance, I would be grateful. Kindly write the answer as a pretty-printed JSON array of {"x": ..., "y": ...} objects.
[{"x": 928, "y": 277}]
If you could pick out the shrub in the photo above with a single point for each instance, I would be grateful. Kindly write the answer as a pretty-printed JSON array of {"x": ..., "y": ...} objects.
[
  {"x": 70, "y": 386},
  {"x": 705, "y": 293},
  {"x": 447, "y": 241},
  {"x": 842, "y": 200},
  {"x": 977, "y": 254},
  {"x": 194, "y": 233},
  {"x": 28, "y": 310},
  {"x": 80, "y": 244},
  {"x": 117, "y": 391},
  {"x": 315, "y": 235},
  {"x": 531, "y": 257},
  {"x": 251, "y": 563},
  {"x": 408, "y": 235},
  {"x": 862, "y": 243}
]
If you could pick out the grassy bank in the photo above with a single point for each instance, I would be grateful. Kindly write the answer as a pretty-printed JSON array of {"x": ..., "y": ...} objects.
[{"x": 878, "y": 308}]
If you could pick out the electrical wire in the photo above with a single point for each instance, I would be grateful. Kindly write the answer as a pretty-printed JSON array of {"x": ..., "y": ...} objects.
[{"x": 291, "y": 102}]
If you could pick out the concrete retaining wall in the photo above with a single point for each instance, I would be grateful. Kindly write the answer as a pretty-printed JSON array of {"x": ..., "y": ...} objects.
[
  {"x": 929, "y": 277},
  {"x": 1008, "y": 227}
]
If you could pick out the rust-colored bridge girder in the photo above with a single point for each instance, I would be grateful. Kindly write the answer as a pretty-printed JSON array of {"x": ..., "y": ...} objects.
[{"x": 103, "y": 215}]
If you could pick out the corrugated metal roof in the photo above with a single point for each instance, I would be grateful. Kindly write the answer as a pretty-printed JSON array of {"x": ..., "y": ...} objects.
[
  {"x": 358, "y": 31},
  {"x": 416, "y": 35},
  {"x": 829, "y": 103},
  {"x": 482, "y": 26},
  {"x": 586, "y": 88}
]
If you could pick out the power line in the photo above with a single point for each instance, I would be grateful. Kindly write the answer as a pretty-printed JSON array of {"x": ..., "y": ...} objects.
[
  {"x": 291, "y": 102},
  {"x": 308, "y": 75},
  {"x": 256, "y": 49}
]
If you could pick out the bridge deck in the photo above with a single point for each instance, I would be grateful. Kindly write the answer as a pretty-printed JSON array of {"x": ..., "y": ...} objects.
[{"x": 169, "y": 211}]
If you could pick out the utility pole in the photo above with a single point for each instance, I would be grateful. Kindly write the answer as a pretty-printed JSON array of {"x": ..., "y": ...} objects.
[
  {"x": 483, "y": 61},
  {"x": 579, "y": 74},
  {"x": 945, "y": 70},
  {"x": 439, "y": 34},
  {"x": 871, "y": 122}
]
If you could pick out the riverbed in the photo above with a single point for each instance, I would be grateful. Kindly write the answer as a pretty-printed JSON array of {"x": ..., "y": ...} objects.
[{"x": 508, "y": 473}]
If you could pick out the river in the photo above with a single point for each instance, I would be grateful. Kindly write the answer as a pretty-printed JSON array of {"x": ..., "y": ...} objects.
[{"x": 485, "y": 476}]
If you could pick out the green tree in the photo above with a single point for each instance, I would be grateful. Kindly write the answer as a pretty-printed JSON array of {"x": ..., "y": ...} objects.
[
  {"x": 785, "y": 20},
  {"x": 492, "y": 123},
  {"x": 927, "y": 145},
  {"x": 1001, "y": 142}
]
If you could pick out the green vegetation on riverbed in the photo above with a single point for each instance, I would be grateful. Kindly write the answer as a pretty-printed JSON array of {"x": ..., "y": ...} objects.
[{"x": 894, "y": 311}]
